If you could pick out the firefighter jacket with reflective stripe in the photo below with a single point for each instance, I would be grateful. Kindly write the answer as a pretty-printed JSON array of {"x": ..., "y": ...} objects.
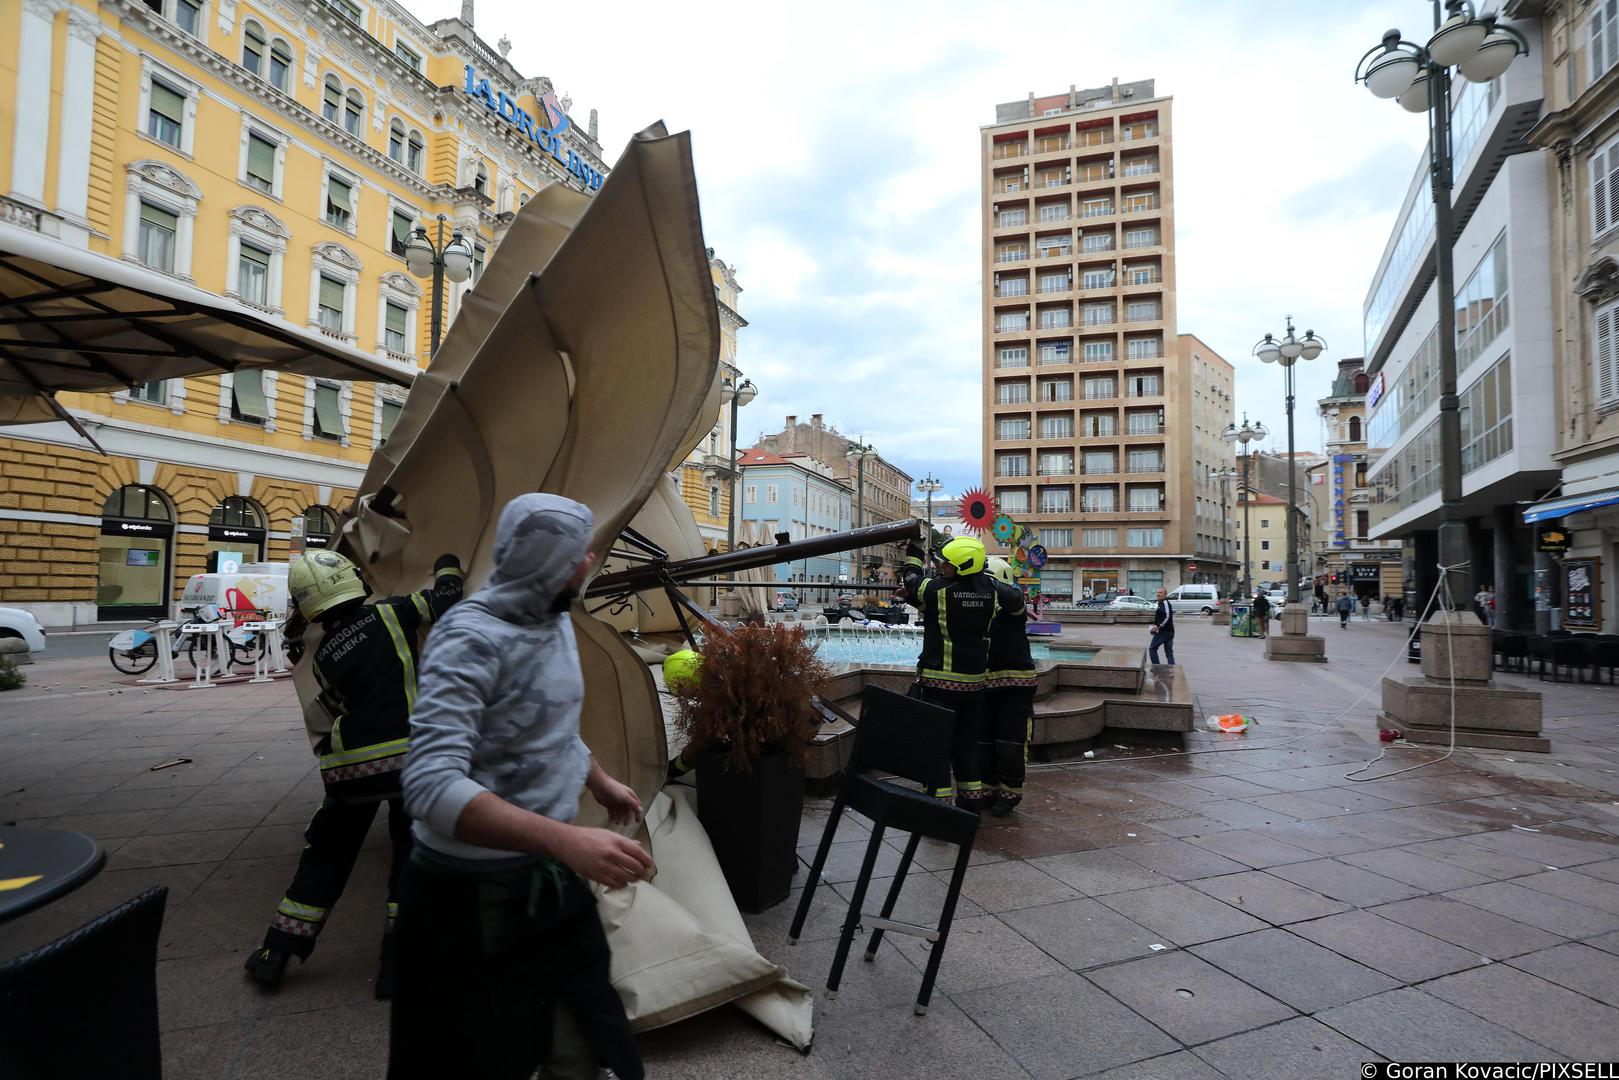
[
  {"x": 366, "y": 666},
  {"x": 956, "y": 613},
  {"x": 1010, "y": 662}
]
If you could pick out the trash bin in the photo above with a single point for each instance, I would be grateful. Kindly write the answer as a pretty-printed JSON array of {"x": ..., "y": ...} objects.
[{"x": 1242, "y": 623}]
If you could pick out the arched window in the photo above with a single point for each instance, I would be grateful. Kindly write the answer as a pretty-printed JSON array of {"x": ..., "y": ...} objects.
[
  {"x": 396, "y": 141},
  {"x": 414, "y": 149},
  {"x": 1354, "y": 429},
  {"x": 522, "y": 200},
  {"x": 331, "y": 105},
  {"x": 353, "y": 109},
  {"x": 236, "y": 510},
  {"x": 1362, "y": 382},
  {"x": 235, "y": 535},
  {"x": 320, "y": 524},
  {"x": 137, "y": 503},
  {"x": 480, "y": 183},
  {"x": 280, "y": 66},
  {"x": 253, "y": 48},
  {"x": 137, "y": 533}
]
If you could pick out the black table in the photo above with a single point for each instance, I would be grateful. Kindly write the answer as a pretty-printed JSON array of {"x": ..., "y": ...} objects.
[{"x": 40, "y": 865}]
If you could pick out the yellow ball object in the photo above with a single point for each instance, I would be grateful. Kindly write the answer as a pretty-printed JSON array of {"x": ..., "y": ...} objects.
[{"x": 680, "y": 670}]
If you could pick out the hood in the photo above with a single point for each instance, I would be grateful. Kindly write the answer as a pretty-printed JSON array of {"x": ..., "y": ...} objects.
[{"x": 539, "y": 543}]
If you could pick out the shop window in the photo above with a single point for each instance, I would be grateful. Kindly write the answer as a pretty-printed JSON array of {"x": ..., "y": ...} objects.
[
  {"x": 320, "y": 525},
  {"x": 137, "y": 534}
]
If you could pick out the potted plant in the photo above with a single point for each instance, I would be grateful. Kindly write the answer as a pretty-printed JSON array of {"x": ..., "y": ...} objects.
[{"x": 748, "y": 723}]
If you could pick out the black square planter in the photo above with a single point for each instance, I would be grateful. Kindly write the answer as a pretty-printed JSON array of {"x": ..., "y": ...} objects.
[{"x": 752, "y": 821}]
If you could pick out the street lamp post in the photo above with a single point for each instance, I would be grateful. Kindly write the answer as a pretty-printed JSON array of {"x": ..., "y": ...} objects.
[
  {"x": 1224, "y": 474},
  {"x": 736, "y": 395},
  {"x": 928, "y": 485},
  {"x": 1286, "y": 352},
  {"x": 1242, "y": 436},
  {"x": 1418, "y": 76},
  {"x": 858, "y": 454},
  {"x": 440, "y": 260}
]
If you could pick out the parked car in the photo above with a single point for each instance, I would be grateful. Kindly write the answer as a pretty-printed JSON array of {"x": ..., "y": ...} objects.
[
  {"x": 17, "y": 623},
  {"x": 1199, "y": 598},
  {"x": 1131, "y": 603},
  {"x": 786, "y": 601}
]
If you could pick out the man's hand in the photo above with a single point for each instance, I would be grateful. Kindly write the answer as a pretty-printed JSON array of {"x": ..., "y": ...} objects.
[
  {"x": 622, "y": 807},
  {"x": 604, "y": 857}
]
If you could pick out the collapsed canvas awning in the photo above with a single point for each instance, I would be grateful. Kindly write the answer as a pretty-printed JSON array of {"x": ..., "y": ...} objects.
[
  {"x": 74, "y": 320},
  {"x": 1552, "y": 509}
]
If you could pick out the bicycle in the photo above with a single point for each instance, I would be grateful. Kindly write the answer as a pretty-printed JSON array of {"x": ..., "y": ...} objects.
[{"x": 134, "y": 652}]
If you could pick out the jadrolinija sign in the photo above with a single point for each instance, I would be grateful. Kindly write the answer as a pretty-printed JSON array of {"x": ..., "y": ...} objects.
[{"x": 548, "y": 139}]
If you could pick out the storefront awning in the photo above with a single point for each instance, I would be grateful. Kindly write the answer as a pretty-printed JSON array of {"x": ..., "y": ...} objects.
[
  {"x": 1571, "y": 504},
  {"x": 74, "y": 320}
]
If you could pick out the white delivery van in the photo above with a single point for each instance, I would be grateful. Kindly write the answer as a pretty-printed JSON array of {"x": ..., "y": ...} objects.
[
  {"x": 1199, "y": 598},
  {"x": 256, "y": 587}
]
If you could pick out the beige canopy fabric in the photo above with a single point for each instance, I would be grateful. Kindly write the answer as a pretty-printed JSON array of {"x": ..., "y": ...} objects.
[
  {"x": 584, "y": 363},
  {"x": 74, "y": 320},
  {"x": 667, "y": 521}
]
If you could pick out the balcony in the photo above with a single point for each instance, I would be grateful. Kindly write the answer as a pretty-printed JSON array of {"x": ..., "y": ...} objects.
[
  {"x": 1055, "y": 251},
  {"x": 1014, "y": 255},
  {"x": 1140, "y": 206},
  {"x": 1096, "y": 211},
  {"x": 1009, "y": 151}
]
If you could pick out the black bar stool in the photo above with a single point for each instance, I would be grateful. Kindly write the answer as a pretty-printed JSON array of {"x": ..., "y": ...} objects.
[{"x": 910, "y": 739}]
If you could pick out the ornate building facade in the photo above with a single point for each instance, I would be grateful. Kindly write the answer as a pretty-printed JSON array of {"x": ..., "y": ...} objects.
[
  {"x": 278, "y": 152},
  {"x": 708, "y": 480}
]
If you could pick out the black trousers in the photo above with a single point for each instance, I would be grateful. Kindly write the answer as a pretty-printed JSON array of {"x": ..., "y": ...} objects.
[
  {"x": 1165, "y": 638},
  {"x": 332, "y": 842},
  {"x": 482, "y": 960},
  {"x": 967, "y": 705},
  {"x": 1004, "y": 744}
]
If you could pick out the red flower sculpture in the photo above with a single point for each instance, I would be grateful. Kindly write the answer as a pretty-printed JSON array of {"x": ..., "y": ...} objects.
[{"x": 978, "y": 511}]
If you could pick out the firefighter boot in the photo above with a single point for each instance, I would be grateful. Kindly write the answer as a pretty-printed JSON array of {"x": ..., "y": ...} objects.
[
  {"x": 267, "y": 966},
  {"x": 383, "y": 988}
]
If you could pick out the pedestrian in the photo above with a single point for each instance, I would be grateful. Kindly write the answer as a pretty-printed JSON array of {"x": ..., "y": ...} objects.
[
  {"x": 1261, "y": 614},
  {"x": 502, "y": 960},
  {"x": 365, "y": 663},
  {"x": 1321, "y": 598},
  {"x": 1346, "y": 608},
  {"x": 1008, "y": 695},
  {"x": 1163, "y": 628},
  {"x": 1481, "y": 605},
  {"x": 1366, "y": 607},
  {"x": 1490, "y": 602}
]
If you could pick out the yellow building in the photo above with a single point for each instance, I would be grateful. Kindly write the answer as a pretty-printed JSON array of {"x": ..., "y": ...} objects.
[
  {"x": 707, "y": 479},
  {"x": 279, "y": 153}
]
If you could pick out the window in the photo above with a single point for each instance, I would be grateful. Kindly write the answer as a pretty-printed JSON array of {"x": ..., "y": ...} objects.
[
  {"x": 349, "y": 10},
  {"x": 328, "y": 410},
  {"x": 331, "y": 304},
  {"x": 1098, "y": 538},
  {"x": 1056, "y": 500},
  {"x": 1056, "y": 463},
  {"x": 1098, "y": 387},
  {"x": 1141, "y": 311},
  {"x": 1009, "y": 218},
  {"x": 1055, "y": 318},
  {"x": 1055, "y": 212},
  {"x": 260, "y": 171},
  {"x": 1011, "y": 253},
  {"x": 1058, "y": 538},
  {"x": 399, "y": 235},
  {"x": 1011, "y": 429},
  {"x": 1012, "y": 393},
  {"x": 1055, "y": 352},
  {"x": 188, "y": 15},
  {"x": 1149, "y": 348},
  {"x": 1010, "y": 322},
  {"x": 353, "y": 110},
  {"x": 1056, "y": 390},
  {"x": 1146, "y": 461},
  {"x": 750, "y": 494},
  {"x": 1098, "y": 351},
  {"x": 280, "y": 65},
  {"x": 248, "y": 402},
  {"x": 1141, "y": 237},
  {"x": 1011, "y": 464},
  {"x": 1144, "y": 423},
  {"x": 389, "y": 417},
  {"x": 331, "y": 104},
  {"x": 1605, "y": 356},
  {"x": 1264, "y": 523},
  {"x": 1363, "y": 523},
  {"x": 1056, "y": 427},
  {"x": 253, "y": 48},
  {"x": 770, "y": 493},
  {"x": 1144, "y": 386},
  {"x": 165, "y": 116},
  {"x": 480, "y": 183},
  {"x": 1057, "y": 282},
  {"x": 1098, "y": 314},
  {"x": 393, "y": 333},
  {"x": 1096, "y": 279},
  {"x": 1013, "y": 502},
  {"x": 1053, "y": 245},
  {"x": 1264, "y": 545},
  {"x": 1134, "y": 204},
  {"x": 1100, "y": 424},
  {"x": 713, "y": 502},
  {"x": 153, "y": 393},
  {"x": 1098, "y": 462},
  {"x": 412, "y": 59},
  {"x": 1100, "y": 499},
  {"x": 414, "y": 151},
  {"x": 396, "y": 142},
  {"x": 1141, "y": 275},
  {"x": 1014, "y": 356},
  {"x": 1144, "y": 538},
  {"x": 253, "y": 275},
  {"x": 156, "y": 239},
  {"x": 1604, "y": 37},
  {"x": 1481, "y": 305},
  {"x": 1486, "y": 409},
  {"x": 479, "y": 253},
  {"x": 1096, "y": 207},
  {"x": 339, "y": 204},
  {"x": 1096, "y": 241},
  {"x": 1013, "y": 286},
  {"x": 1146, "y": 499}
]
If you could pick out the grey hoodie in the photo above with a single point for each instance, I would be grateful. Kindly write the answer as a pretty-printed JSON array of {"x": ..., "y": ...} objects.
[{"x": 498, "y": 699}]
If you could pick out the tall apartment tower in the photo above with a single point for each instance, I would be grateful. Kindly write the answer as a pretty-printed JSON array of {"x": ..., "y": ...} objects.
[{"x": 1087, "y": 422}]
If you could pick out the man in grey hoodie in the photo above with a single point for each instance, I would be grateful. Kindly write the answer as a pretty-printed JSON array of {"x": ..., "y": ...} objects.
[{"x": 498, "y": 940}]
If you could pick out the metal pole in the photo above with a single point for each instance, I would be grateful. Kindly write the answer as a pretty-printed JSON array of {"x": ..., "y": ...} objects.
[
  {"x": 1292, "y": 488},
  {"x": 438, "y": 288},
  {"x": 1225, "y": 531},
  {"x": 930, "y": 525},
  {"x": 1453, "y": 541},
  {"x": 1247, "y": 532},
  {"x": 730, "y": 517},
  {"x": 860, "y": 512}
]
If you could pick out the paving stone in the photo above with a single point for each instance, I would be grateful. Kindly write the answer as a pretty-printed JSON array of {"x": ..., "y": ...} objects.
[
  {"x": 921, "y": 900},
  {"x": 1321, "y": 836},
  {"x": 176, "y": 848},
  {"x": 1084, "y": 933},
  {"x": 1537, "y": 908},
  {"x": 1607, "y": 942},
  {"x": 202, "y": 1053},
  {"x": 1266, "y": 897},
  {"x": 1575, "y": 886},
  {"x": 1228, "y": 787},
  {"x": 315, "y": 1044},
  {"x": 1181, "y": 1065},
  {"x": 1546, "y": 847},
  {"x": 266, "y": 795},
  {"x": 1007, "y": 886},
  {"x": 1180, "y": 860},
  {"x": 1469, "y": 927},
  {"x": 1409, "y": 1025},
  {"x": 1032, "y": 839},
  {"x": 1287, "y": 1051},
  {"x": 1391, "y": 947},
  {"x": 1180, "y": 914},
  {"x": 1062, "y": 1026},
  {"x": 883, "y": 1044},
  {"x": 1494, "y": 865},
  {"x": 1253, "y": 851},
  {"x": 980, "y": 952},
  {"x": 1569, "y": 1023},
  {"x": 1424, "y": 874},
  {"x": 1293, "y": 970},
  {"x": 193, "y": 818},
  {"x": 1592, "y": 972},
  {"x": 1607, "y": 870},
  {"x": 1097, "y": 873},
  {"x": 843, "y": 861},
  {"x": 1349, "y": 884},
  {"x": 890, "y": 979},
  {"x": 1189, "y": 998}
]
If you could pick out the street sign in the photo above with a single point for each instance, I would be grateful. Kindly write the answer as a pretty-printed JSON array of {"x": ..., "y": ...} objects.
[
  {"x": 1552, "y": 540},
  {"x": 1191, "y": 566}
]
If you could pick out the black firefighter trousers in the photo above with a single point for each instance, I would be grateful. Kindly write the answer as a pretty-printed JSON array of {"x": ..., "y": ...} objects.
[
  {"x": 332, "y": 842},
  {"x": 967, "y": 705},
  {"x": 1004, "y": 743}
]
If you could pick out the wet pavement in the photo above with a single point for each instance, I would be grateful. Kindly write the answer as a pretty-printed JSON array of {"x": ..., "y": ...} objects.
[{"x": 1237, "y": 908}]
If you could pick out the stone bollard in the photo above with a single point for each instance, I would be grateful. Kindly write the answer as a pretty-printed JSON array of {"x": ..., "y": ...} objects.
[{"x": 16, "y": 650}]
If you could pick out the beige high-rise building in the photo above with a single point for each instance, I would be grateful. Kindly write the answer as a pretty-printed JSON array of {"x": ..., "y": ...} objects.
[{"x": 1089, "y": 434}]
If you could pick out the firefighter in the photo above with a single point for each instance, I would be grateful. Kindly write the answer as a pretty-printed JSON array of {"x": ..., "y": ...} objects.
[
  {"x": 1008, "y": 695},
  {"x": 365, "y": 664},
  {"x": 956, "y": 608}
]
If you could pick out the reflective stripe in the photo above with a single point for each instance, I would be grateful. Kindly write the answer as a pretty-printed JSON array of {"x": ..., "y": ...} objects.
[
  {"x": 402, "y": 647},
  {"x": 422, "y": 610},
  {"x": 306, "y": 912},
  {"x": 364, "y": 753},
  {"x": 450, "y": 571},
  {"x": 393, "y": 909},
  {"x": 952, "y": 677},
  {"x": 942, "y": 606}
]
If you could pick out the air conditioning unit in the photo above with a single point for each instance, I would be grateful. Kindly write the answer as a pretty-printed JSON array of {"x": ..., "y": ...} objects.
[{"x": 1127, "y": 92}]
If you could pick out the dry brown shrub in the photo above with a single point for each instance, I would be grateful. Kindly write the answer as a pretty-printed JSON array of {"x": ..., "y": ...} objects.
[{"x": 752, "y": 696}]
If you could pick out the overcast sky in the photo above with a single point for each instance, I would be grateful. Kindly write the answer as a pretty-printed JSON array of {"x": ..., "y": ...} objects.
[{"x": 837, "y": 159}]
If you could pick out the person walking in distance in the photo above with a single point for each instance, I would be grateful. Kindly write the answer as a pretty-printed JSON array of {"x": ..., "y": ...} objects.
[
  {"x": 365, "y": 663},
  {"x": 1366, "y": 607},
  {"x": 502, "y": 960},
  {"x": 1008, "y": 694},
  {"x": 1261, "y": 613},
  {"x": 1163, "y": 628},
  {"x": 1346, "y": 608}
]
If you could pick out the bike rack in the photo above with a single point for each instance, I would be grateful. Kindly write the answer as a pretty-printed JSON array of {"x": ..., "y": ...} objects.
[
  {"x": 269, "y": 661},
  {"x": 209, "y": 633},
  {"x": 164, "y": 633}
]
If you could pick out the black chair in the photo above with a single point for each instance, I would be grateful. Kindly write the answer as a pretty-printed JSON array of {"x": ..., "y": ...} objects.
[
  {"x": 1603, "y": 653},
  {"x": 910, "y": 739},
  {"x": 86, "y": 1004},
  {"x": 1514, "y": 650}
]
